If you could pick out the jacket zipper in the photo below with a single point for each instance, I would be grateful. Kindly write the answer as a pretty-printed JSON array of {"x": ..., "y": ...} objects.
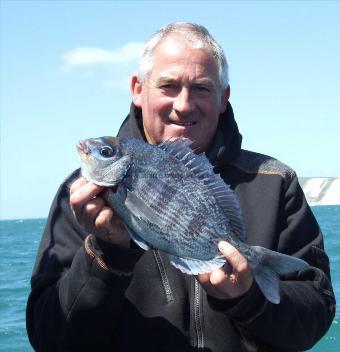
[
  {"x": 198, "y": 317},
  {"x": 165, "y": 281}
]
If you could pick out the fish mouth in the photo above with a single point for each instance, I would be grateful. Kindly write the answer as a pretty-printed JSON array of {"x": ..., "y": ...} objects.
[{"x": 83, "y": 147}]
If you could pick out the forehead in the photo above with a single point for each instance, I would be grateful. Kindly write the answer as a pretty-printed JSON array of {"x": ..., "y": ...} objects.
[{"x": 174, "y": 56}]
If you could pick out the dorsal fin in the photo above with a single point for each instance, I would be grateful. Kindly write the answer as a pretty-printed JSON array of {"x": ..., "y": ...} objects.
[
  {"x": 180, "y": 149},
  {"x": 200, "y": 166}
]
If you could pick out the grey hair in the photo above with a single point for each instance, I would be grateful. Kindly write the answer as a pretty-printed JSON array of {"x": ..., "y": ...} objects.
[{"x": 197, "y": 36}]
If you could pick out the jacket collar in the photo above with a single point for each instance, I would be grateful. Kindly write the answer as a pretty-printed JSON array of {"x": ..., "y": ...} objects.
[{"x": 226, "y": 143}]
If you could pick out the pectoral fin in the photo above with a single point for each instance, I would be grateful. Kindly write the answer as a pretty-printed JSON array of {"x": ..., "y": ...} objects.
[{"x": 142, "y": 210}]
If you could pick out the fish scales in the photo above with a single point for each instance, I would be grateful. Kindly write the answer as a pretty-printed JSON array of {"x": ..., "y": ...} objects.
[
  {"x": 163, "y": 235},
  {"x": 187, "y": 227},
  {"x": 190, "y": 193},
  {"x": 169, "y": 216},
  {"x": 170, "y": 198}
]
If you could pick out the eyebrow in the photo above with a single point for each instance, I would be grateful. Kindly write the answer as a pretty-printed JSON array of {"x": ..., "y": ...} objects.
[{"x": 164, "y": 78}]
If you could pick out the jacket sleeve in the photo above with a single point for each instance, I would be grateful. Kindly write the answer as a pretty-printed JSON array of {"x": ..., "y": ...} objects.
[
  {"x": 78, "y": 283},
  {"x": 307, "y": 304}
]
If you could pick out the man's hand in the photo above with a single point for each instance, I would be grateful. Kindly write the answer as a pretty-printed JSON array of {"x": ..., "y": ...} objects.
[
  {"x": 223, "y": 284},
  {"x": 89, "y": 206}
]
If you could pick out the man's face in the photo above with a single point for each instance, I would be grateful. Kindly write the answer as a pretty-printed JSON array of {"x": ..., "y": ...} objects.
[{"x": 181, "y": 96}]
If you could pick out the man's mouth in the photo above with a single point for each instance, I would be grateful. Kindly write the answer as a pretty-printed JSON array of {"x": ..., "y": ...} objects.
[{"x": 183, "y": 123}]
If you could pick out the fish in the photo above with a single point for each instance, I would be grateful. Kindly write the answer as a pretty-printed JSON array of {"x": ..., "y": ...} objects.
[{"x": 170, "y": 198}]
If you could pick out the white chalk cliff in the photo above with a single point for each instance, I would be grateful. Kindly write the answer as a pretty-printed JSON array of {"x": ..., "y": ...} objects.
[{"x": 321, "y": 190}]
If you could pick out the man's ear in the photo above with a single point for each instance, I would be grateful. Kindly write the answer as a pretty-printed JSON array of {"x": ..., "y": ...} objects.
[
  {"x": 136, "y": 91},
  {"x": 224, "y": 99}
]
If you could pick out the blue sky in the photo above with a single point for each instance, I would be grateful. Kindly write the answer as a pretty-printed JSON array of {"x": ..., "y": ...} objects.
[{"x": 65, "y": 67}]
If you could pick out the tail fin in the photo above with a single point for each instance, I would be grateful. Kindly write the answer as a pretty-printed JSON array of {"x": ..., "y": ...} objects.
[{"x": 267, "y": 269}]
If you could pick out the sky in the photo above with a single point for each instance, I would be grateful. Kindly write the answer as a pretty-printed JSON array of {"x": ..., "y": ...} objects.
[{"x": 65, "y": 68}]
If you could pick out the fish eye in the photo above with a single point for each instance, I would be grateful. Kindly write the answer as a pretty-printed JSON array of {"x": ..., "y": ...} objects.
[{"x": 106, "y": 152}]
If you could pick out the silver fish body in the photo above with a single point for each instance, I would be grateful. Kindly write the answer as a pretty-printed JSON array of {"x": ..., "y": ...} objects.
[{"x": 170, "y": 198}]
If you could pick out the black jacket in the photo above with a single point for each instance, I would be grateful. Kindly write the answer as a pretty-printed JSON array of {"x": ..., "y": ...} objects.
[{"x": 90, "y": 295}]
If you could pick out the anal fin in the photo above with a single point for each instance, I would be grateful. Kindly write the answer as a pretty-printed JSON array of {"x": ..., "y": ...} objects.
[{"x": 194, "y": 266}]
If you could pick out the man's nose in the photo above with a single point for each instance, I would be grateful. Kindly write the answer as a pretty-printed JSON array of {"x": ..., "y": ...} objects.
[{"x": 183, "y": 102}]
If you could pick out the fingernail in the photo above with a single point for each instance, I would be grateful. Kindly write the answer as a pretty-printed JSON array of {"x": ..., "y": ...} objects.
[{"x": 222, "y": 246}]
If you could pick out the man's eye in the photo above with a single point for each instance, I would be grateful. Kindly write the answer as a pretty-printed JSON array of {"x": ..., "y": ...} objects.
[
  {"x": 168, "y": 86},
  {"x": 202, "y": 89}
]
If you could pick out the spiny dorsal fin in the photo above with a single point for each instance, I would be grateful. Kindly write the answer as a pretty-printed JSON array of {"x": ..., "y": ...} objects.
[
  {"x": 200, "y": 166},
  {"x": 180, "y": 149}
]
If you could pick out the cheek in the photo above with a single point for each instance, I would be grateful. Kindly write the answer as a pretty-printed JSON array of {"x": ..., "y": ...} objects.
[
  {"x": 154, "y": 102},
  {"x": 153, "y": 123},
  {"x": 155, "y": 111},
  {"x": 210, "y": 109},
  {"x": 161, "y": 106}
]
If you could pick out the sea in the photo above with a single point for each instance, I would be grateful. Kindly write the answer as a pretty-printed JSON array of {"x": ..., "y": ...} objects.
[{"x": 19, "y": 240}]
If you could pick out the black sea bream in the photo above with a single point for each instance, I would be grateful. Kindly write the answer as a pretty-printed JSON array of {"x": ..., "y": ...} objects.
[{"x": 170, "y": 198}]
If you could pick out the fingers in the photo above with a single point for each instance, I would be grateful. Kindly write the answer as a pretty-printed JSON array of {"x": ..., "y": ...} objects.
[
  {"x": 231, "y": 281},
  {"x": 78, "y": 183},
  {"x": 240, "y": 276},
  {"x": 236, "y": 260},
  {"x": 83, "y": 204},
  {"x": 93, "y": 207},
  {"x": 94, "y": 215},
  {"x": 103, "y": 221},
  {"x": 82, "y": 191},
  {"x": 219, "y": 276},
  {"x": 87, "y": 205}
]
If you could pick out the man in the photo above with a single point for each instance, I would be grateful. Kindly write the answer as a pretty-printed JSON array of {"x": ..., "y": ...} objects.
[{"x": 93, "y": 289}]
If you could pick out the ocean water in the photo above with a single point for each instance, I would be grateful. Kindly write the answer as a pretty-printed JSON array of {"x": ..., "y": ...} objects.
[{"x": 19, "y": 240}]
